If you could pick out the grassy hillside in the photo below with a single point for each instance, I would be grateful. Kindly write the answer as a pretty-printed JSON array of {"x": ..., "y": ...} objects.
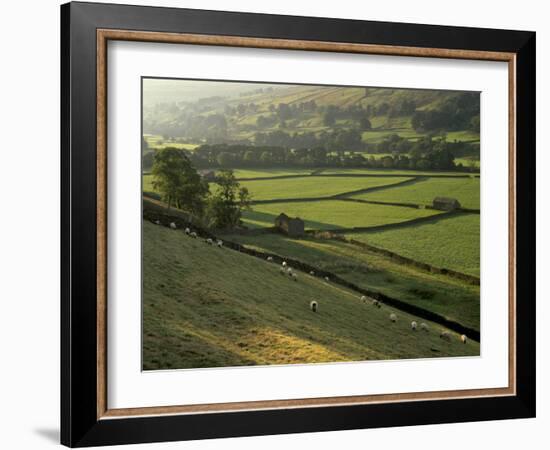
[
  {"x": 208, "y": 307},
  {"x": 451, "y": 298}
]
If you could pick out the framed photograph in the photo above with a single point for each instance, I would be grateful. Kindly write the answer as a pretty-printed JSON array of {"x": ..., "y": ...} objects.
[{"x": 276, "y": 224}]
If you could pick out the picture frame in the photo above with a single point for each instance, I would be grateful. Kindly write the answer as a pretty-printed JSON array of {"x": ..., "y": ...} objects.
[{"x": 86, "y": 29}]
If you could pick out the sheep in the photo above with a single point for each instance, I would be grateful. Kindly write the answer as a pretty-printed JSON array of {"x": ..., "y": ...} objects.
[
  {"x": 445, "y": 335},
  {"x": 219, "y": 243},
  {"x": 376, "y": 303},
  {"x": 327, "y": 279},
  {"x": 173, "y": 225},
  {"x": 209, "y": 241},
  {"x": 194, "y": 235},
  {"x": 413, "y": 325},
  {"x": 283, "y": 264},
  {"x": 313, "y": 306},
  {"x": 424, "y": 327},
  {"x": 363, "y": 298},
  {"x": 270, "y": 258},
  {"x": 282, "y": 271},
  {"x": 289, "y": 270},
  {"x": 393, "y": 317},
  {"x": 187, "y": 231},
  {"x": 294, "y": 276},
  {"x": 463, "y": 338},
  {"x": 312, "y": 273},
  {"x": 157, "y": 222}
]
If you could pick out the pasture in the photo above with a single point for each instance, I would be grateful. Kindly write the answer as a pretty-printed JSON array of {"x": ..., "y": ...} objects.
[
  {"x": 333, "y": 214},
  {"x": 446, "y": 242},
  {"x": 465, "y": 190},
  {"x": 209, "y": 307},
  {"x": 313, "y": 186},
  {"x": 441, "y": 294}
]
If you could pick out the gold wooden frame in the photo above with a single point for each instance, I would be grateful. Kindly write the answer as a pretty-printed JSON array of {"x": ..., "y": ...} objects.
[{"x": 103, "y": 36}]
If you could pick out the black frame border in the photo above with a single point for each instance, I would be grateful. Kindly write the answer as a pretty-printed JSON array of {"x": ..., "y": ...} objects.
[{"x": 79, "y": 424}]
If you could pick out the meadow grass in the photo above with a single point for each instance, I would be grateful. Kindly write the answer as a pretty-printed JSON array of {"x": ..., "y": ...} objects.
[
  {"x": 209, "y": 307},
  {"x": 450, "y": 242},
  {"x": 395, "y": 172},
  {"x": 265, "y": 173},
  {"x": 333, "y": 214},
  {"x": 449, "y": 297},
  {"x": 313, "y": 186},
  {"x": 465, "y": 190}
]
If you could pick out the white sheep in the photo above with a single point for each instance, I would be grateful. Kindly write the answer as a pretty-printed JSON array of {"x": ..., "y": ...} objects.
[
  {"x": 312, "y": 273},
  {"x": 157, "y": 222},
  {"x": 283, "y": 263},
  {"x": 327, "y": 279},
  {"x": 294, "y": 276},
  {"x": 209, "y": 241},
  {"x": 376, "y": 303},
  {"x": 413, "y": 325},
  {"x": 289, "y": 270},
  {"x": 313, "y": 306},
  {"x": 424, "y": 327},
  {"x": 194, "y": 235},
  {"x": 173, "y": 225},
  {"x": 445, "y": 335},
  {"x": 393, "y": 317},
  {"x": 270, "y": 258},
  {"x": 363, "y": 298},
  {"x": 219, "y": 243},
  {"x": 282, "y": 271},
  {"x": 463, "y": 338},
  {"x": 187, "y": 230}
]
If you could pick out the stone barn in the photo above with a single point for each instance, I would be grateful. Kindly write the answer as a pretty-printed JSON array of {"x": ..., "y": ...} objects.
[
  {"x": 446, "y": 203},
  {"x": 293, "y": 226}
]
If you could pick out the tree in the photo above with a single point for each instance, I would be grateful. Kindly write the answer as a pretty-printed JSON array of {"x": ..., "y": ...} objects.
[
  {"x": 178, "y": 181},
  {"x": 229, "y": 201}
]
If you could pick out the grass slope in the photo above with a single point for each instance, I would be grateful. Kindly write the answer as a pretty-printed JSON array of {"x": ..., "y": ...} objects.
[
  {"x": 333, "y": 214},
  {"x": 210, "y": 307},
  {"x": 451, "y": 243},
  {"x": 448, "y": 297},
  {"x": 465, "y": 190}
]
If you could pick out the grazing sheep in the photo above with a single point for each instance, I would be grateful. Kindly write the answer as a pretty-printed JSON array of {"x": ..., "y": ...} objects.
[
  {"x": 289, "y": 270},
  {"x": 209, "y": 241},
  {"x": 157, "y": 222},
  {"x": 294, "y": 276},
  {"x": 413, "y": 325},
  {"x": 424, "y": 327},
  {"x": 313, "y": 306},
  {"x": 393, "y": 317},
  {"x": 270, "y": 258},
  {"x": 463, "y": 338},
  {"x": 376, "y": 303},
  {"x": 445, "y": 335},
  {"x": 327, "y": 279},
  {"x": 282, "y": 271},
  {"x": 312, "y": 273},
  {"x": 194, "y": 235},
  {"x": 187, "y": 230},
  {"x": 283, "y": 263},
  {"x": 173, "y": 225},
  {"x": 363, "y": 298},
  {"x": 219, "y": 243}
]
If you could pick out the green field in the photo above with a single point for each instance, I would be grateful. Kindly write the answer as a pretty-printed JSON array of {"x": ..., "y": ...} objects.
[
  {"x": 465, "y": 190},
  {"x": 210, "y": 307},
  {"x": 394, "y": 172},
  {"x": 451, "y": 243},
  {"x": 446, "y": 296},
  {"x": 313, "y": 186},
  {"x": 333, "y": 214},
  {"x": 266, "y": 173}
]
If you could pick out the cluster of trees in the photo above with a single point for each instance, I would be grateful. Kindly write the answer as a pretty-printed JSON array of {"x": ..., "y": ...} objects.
[
  {"x": 455, "y": 113},
  {"x": 425, "y": 154},
  {"x": 181, "y": 186},
  {"x": 339, "y": 139}
]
